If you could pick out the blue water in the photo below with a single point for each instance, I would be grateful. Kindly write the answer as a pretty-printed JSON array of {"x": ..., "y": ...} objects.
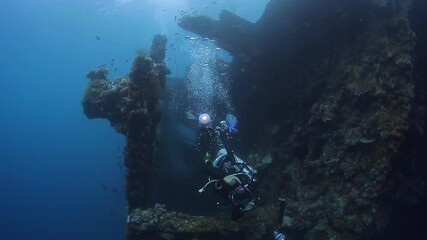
[{"x": 61, "y": 175}]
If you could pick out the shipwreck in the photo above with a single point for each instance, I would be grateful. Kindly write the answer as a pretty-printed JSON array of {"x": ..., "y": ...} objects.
[{"x": 333, "y": 94}]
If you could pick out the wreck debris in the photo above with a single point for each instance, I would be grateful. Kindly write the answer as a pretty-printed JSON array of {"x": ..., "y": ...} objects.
[
  {"x": 98, "y": 73},
  {"x": 159, "y": 223},
  {"x": 131, "y": 104},
  {"x": 231, "y": 32},
  {"x": 158, "y": 48}
]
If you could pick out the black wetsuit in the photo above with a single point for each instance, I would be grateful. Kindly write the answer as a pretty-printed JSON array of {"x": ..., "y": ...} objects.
[{"x": 211, "y": 140}]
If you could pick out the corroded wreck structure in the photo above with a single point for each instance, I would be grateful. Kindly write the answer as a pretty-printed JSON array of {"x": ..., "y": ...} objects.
[
  {"x": 132, "y": 105},
  {"x": 333, "y": 97}
]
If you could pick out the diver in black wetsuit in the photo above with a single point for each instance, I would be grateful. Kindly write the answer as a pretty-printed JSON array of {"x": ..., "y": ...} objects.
[{"x": 230, "y": 177}]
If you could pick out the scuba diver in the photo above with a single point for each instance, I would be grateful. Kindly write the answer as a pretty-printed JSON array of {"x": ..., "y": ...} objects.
[{"x": 230, "y": 177}]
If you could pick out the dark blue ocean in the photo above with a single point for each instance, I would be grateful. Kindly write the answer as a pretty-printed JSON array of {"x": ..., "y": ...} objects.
[{"x": 61, "y": 174}]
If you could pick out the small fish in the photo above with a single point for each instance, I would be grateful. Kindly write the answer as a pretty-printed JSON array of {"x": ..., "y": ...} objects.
[
  {"x": 177, "y": 33},
  {"x": 97, "y": 37},
  {"x": 175, "y": 18},
  {"x": 114, "y": 190},
  {"x": 218, "y": 49},
  {"x": 113, "y": 59},
  {"x": 223, "y": 74},
  {"x": 205, "y": 39},
  {"x": 126, "y": 61},
  {"x": 172, "y": 45},
  {"x": 190, "y": 115},
  {"x": 366, "y": 140},
  {"x": 103, "y": 186}
]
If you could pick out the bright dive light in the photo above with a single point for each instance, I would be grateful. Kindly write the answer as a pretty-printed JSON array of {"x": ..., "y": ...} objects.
[{"x": 204, "y": 119}]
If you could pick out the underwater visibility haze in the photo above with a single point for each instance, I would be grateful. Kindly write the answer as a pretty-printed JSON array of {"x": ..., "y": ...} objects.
[{"x": 213, "y": 119}]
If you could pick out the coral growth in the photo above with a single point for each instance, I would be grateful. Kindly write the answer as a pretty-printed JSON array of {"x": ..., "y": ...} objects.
[
  {"x": 132, "y": 105},
  {"x": 159, "y": 223}
]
